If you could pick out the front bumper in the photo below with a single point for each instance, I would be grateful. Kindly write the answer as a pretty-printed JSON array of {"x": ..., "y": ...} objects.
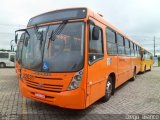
[{"x": 74, "y": 99}]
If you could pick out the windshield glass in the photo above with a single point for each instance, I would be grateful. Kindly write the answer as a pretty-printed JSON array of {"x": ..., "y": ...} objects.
[
  {"x": 18, "y": 51},
  {"x": 33, "y": 49},
  {"x": 65, "y": 53},
  {"x": 20, "y": 38}
]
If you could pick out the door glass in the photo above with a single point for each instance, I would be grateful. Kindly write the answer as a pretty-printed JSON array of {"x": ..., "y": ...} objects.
[{"x": 95, "y": 46}]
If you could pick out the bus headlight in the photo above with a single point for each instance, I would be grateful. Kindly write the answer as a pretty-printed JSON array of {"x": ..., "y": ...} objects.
[{"x": 76, "y": 80}]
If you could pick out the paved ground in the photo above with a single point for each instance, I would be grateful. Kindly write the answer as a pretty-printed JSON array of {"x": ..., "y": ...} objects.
[{"x": 139, "y": 97}]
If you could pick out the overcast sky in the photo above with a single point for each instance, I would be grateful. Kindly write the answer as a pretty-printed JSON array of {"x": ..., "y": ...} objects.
[{"x": 140, "y": 19}]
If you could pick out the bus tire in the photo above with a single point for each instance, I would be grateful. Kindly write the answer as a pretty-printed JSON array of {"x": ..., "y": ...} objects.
[
  {"x": 2, "y": 65},
  {"x": 150, "y": 68},
  {"x": 134, "y": 75},
  {"x": 108, "y": 90},
  {"x": 145, "y": 69}
]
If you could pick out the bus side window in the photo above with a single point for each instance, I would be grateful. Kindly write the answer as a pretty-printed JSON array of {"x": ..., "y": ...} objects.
[
  {"x": 138, "y": 51},
  {"x": 127, "y": 47},
  {"x": 111, "y": 42},
  {"x": 4, "y": 55},
  {"x": 135, "y": 49},
  {"x": 120, "y": 43},
  {"x": 132, "y": 49},
  {"x": 95, "y": 46}
]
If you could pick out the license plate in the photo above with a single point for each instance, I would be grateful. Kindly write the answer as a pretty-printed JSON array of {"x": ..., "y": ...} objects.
[{"x": 39, "y": 95}]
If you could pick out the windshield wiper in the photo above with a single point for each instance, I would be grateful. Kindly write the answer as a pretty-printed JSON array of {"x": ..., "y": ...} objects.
[
  {"x": 57, "y": 31},
  {"x": 39, "y": 35}
]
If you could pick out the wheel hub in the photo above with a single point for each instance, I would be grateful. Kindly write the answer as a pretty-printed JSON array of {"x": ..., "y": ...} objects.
[{"x": 109, "y": 88}]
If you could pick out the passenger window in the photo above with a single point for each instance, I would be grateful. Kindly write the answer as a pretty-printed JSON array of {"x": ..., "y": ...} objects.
[
  {"x": 95, "y": 46},
  {"x": 135, "y": 51},
  {"x": 132, "y": 49},
  {"x": 133, "y": 46},
  {"x": 127, "y": 43},
  {"x": 111, "y": 36},
  {"x": 120, "y": 42},
  {"x": 111, "y": 42},
  {"x": 4, "y": 55},
  {"x": 127, "y": 47},
  {"x": 139, "y": 51}
]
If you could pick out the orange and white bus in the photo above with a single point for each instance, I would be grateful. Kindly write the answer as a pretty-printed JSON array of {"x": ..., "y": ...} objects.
[{"x": 72, "y": 57}]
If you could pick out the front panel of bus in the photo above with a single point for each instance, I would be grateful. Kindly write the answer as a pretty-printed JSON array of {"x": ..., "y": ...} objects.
[{"x": 54, "y": 58}]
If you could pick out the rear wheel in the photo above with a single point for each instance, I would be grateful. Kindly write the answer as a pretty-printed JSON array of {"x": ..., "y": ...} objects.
[
  {"x": 134, "y": 75},
  {"x": 145, "y": 69},
  {"x": 109, "y": 90},
  {"x": 2, "y": 65},
  {"x": 150, "y": 68}
]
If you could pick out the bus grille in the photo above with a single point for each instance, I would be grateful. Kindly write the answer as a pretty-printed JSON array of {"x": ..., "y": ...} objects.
[{"x": 42, "y": 86}]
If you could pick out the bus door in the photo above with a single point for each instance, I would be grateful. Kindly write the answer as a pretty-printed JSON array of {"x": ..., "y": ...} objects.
[{"x": 96, "y": 68}]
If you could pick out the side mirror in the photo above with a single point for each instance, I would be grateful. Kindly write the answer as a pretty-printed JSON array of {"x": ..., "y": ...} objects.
[
  {"x": 22, "y": 36},
  {"x": 16, "y": 38},
  {"x": 26, "y": 41},
  {"x": 40, "y": 35},
  {"x": 95, "y": 33}
]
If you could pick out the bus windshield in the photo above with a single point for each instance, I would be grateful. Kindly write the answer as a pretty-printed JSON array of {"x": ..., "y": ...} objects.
[
  {"x": 18, "y": 51},
  {"x": 63, "y": 54}
]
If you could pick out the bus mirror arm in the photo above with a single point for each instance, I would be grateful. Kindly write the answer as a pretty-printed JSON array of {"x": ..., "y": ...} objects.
[
  {"x": 16, "y": 38},
  {"x": 16, "y": 35},
  {"x": 91, "y": 22}
]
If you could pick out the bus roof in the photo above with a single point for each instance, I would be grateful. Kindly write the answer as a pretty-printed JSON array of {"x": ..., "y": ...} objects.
[{"x": 98, "y": 17}]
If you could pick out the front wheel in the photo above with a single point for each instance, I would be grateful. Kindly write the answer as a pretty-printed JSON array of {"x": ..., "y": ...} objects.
[
  {"x": 144, "y": 69},
  {"x": 109, "y": 89}
]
